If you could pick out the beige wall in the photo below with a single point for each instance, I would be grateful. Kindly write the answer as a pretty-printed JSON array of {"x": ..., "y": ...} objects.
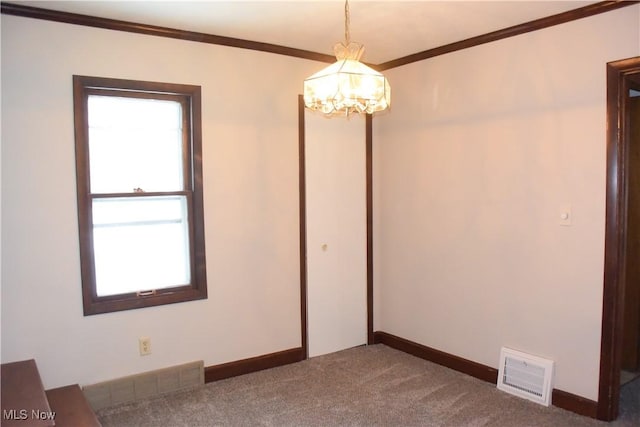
[
  {"x": 481, "y": 150},
  {"x": 250, "y": 151}
]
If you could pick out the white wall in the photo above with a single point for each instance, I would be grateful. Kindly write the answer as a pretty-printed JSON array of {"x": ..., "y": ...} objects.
[
  {"x": 480, "y": 151},
  {"x": 250, "y": 151}
]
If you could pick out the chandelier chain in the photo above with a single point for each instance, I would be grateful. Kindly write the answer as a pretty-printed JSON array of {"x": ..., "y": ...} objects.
[{"x": 347, "y": 18}]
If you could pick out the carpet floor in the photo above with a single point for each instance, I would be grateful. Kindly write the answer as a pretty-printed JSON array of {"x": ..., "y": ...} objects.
[{"x": 364, "y": 386}]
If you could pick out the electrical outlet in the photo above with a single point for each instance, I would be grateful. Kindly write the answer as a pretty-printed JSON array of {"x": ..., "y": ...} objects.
[{"x": 144, "y": 343}]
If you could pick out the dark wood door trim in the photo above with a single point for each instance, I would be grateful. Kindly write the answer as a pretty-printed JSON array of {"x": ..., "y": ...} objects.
[
  {"x": 302, "y": 196},
  {"x": 619, "y": 77},
  {"x": 369, "y": 174}
]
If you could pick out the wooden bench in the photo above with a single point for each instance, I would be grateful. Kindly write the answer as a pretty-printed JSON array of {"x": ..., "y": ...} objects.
[
  {"x": 25, "y": 403},
  {"x": 71, "y": 407}
]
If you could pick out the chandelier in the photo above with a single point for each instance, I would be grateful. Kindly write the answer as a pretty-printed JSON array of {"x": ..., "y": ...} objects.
[{"x": 347, "y": 85}]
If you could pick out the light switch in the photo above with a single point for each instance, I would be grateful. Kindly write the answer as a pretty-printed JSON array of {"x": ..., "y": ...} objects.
[{"x": 565, "y": 215}]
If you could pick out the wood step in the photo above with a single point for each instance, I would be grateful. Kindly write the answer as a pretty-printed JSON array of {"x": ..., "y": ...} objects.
[
  {"x": 71, "y": 407},
  {"x": 25, "y": 403},
  {"x": 23, "y": 400}
]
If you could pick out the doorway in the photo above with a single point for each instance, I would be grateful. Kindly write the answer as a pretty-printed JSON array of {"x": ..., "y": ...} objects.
[
  {"x": 336, "y": 261},
  {"x": 630, "y": 362},
  {"x": 622, "y": 77},
  {"x": 336, "y": 233}
]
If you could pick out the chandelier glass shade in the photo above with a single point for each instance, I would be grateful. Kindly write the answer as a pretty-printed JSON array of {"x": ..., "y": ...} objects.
[{"x": 347, "y": 86}]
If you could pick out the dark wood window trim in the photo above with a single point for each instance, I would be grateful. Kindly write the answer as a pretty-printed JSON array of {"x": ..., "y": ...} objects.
[{"x": 190, "y": 98}]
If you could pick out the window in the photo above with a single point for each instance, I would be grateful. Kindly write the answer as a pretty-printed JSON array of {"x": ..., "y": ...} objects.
[{"x": 139, "y": 181}]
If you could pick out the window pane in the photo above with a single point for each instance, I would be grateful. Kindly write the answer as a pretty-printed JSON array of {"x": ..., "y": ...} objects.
[
  {"x": 134, "y": 143},
  {"x": 140, "y": 243}
]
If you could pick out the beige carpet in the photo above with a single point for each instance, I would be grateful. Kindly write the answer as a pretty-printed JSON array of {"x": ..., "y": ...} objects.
[{"x": 363, "y": 386}]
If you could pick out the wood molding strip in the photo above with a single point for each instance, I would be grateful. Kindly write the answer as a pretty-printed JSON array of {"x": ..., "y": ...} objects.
[
  {"x": 302, "y": 209},
  {"x": 369, "y": 190},
  {"x": 459, "y": 364},
  {"x": 574, "y": 403},
  {"x": 611, "y": 311},
  {"x": 253, "y": 364},
  {"x": 113, "y": 24},
  {"x": 537, "y": 24},
  {"x": 153, "y": 30},
  {"x": 561, "y": 399},
  {"x": 619, "y": 74}
]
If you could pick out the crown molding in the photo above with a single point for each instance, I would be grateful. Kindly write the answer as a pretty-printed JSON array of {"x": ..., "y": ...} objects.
[
  {"x": 133, "y": 27},
  {"x": 537, "y": 24},
  {"x": 153, "y": 30}
]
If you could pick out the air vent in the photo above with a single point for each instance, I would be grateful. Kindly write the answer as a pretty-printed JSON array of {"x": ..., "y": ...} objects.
[
  {"x": 145, "y": 385},
  {"x": 526, "y": 376}
]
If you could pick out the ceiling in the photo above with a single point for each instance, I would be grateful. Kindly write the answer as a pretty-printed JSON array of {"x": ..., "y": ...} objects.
[{"x": 389, "y": 29}]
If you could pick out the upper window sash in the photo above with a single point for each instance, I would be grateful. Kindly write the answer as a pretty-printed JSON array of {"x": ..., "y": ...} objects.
[{"x": 145, "y": 141}]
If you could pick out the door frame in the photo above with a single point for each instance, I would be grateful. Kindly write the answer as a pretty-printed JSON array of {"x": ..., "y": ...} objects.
[
  {"x": 621, "y": 76},
  {"x": 302, "y": 184}
]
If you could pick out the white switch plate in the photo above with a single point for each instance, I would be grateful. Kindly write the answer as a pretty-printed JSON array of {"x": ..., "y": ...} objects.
[{"x": 565, "y": 215}]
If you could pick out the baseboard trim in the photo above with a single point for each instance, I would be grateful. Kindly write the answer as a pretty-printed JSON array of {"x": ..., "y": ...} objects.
[
  {"x": 561, "y": 399},
  {"x": 465, "y": 366},
  {"x": 574, "y": 403},
  {"x": 253, "y": 364}
]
